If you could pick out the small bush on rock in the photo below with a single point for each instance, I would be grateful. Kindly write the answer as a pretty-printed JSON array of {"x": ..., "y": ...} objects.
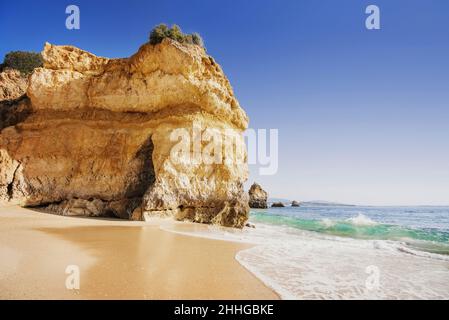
[
  {"x": 162, "y": 31},
  {"x": 24, "y": 61}
]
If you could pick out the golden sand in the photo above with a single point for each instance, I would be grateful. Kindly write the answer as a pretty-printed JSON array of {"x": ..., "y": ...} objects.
[{"x": 117, "y": 259}]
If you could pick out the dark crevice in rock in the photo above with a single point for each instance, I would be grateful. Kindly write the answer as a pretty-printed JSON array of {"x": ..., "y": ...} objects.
[
  {"x": 44, "y": 204},
  {"x": 145, "y": 176},
  {"x": 9, "y": 191},
  {"x": 92, "y": 207},
  {"x": 10, "y": 186}
]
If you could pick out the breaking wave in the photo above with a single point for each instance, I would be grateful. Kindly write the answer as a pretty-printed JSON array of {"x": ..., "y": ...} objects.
[{"x": 319, "y": 255}]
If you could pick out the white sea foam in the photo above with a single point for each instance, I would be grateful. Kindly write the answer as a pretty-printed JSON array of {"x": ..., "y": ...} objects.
[
  {"x": 327, "y": 223},
  {"x": 307, "y": 265},
  {"x": 361, "y": 220},
  {"x": 406, "y": 249}
]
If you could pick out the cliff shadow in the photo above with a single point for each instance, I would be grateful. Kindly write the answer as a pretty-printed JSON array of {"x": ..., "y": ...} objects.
[
  {"x": 14, "y": 111},
  {"x": 144, "y": 176}
]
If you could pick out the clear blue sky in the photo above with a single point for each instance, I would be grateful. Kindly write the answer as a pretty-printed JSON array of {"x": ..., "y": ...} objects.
[{"x": 363, "y": 116}]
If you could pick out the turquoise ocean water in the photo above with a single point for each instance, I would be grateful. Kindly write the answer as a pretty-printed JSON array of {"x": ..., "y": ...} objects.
[
  {"x": 335, "y": 252},
  {"x": 421, "y": 228}
]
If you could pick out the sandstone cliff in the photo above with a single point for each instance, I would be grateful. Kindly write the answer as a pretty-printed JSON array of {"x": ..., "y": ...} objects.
[
  {"x": 257, "y": 197},
  {"x": 93, "y": 136}
]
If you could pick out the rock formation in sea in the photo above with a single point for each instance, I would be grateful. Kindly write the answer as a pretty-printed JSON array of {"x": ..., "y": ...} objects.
[
  {"x": 295, "y": 203},
  {"x": 94, "y": 136},
  {"x": 277, "y": 205},
  {"x": 257, "y": 197}
]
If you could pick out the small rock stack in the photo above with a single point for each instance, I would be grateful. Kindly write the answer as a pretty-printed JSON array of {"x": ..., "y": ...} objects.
[{"x": 257, "y": 197}]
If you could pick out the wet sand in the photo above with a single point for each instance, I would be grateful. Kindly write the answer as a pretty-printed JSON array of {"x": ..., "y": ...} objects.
[{"x": 117, "y": 260}]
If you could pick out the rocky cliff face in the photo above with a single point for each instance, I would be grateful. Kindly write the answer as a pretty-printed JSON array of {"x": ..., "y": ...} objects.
[
  {"x": 94, "y": 137},
  {"x": 257, "y": 197},
  {"x": 13, "y": 84}
]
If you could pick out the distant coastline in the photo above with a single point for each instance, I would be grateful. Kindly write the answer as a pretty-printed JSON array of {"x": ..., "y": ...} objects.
[
  {"x": 322, "y": 203},
  {"x": 314, "y": 203}
]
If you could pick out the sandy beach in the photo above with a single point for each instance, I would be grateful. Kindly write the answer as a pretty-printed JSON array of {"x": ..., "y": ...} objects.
[{"x": 117, "y": 259}]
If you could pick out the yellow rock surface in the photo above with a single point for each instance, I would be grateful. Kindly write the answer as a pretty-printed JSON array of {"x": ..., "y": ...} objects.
[
  {"x": 12, "y": 84},
  {"x": 94, "y": 137}
]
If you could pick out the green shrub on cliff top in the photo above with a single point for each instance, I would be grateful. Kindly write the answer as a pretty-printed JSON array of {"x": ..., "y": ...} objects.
[
  {"x": 162, "y": 31},
  {"x": 196, "y": 39},
  {"x": 24, "y": 61}
]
